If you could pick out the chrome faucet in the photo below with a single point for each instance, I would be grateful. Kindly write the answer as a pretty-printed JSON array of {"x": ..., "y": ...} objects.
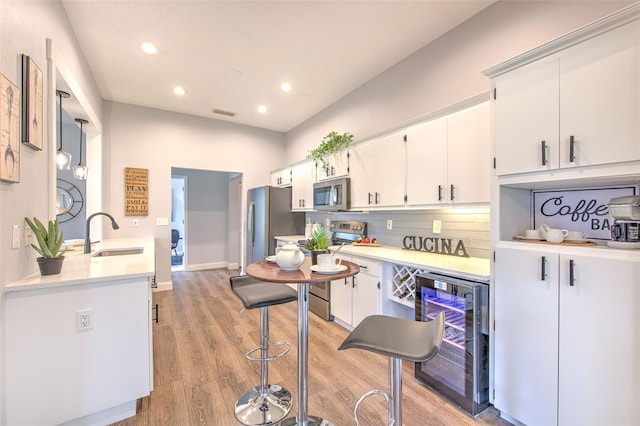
[{"x": 87, "y": 234}]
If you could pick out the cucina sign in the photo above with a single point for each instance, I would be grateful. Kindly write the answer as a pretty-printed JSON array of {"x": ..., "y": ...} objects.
[{"x": 435, "y": 245}]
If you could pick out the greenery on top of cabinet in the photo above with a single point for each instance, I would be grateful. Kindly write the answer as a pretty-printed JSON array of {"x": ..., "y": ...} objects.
[{"x": 331, "y": 143}]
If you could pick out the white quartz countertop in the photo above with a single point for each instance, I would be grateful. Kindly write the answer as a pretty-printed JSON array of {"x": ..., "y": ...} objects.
[
  {"x": 79, "y": 268},
  {"x": 467, "y": 267}
]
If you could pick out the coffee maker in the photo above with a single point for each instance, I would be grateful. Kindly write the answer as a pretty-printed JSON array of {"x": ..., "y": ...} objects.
[{"x": 625, "y": 231}]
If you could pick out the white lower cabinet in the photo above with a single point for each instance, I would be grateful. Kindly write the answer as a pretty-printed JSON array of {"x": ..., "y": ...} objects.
[
  {"x": 357, "y": 297},
  {"x": 567, "y": 341}
]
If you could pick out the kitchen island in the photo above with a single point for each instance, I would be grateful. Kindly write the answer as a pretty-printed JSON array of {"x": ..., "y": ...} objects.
[{"x": 78, "y": 345}]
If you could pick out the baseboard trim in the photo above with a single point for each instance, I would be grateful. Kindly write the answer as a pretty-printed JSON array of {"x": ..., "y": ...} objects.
[
  {"x": 203, "y": 266},
  {"x": 164, "y": 286}
]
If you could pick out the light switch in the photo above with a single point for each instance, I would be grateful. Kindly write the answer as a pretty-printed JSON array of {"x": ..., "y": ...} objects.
[
  {"x": 15, "y": 240},
  {"x": 437, "y": 226}
]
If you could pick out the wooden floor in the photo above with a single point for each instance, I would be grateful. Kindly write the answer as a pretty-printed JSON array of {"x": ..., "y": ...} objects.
[{"x": 200, "y": 368}]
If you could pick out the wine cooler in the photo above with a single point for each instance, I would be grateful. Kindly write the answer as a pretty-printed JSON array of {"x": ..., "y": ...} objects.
[{"x": 460, "y": 371}]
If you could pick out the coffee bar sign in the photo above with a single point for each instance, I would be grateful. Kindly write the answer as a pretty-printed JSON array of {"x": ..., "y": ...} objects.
[
  {"x": 585, "y": 210},
  {"x": 136, "y": 192}
]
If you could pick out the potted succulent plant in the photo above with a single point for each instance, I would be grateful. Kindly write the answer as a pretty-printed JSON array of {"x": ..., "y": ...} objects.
[
  {"x": 49, "y": 245},
  {"x": 330, "y": 144},
  {"x": 317, "y": 244}
]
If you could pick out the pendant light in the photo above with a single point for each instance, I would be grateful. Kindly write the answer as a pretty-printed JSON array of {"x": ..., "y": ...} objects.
[
  {"x": 63, "y": 158},
  {"x": 80, "y": 171}
]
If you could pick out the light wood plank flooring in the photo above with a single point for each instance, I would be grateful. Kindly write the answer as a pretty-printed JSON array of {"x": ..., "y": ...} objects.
[{"x": 200, "y": 368}]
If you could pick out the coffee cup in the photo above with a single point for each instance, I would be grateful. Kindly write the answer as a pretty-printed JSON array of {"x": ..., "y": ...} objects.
[
  {"x": 576, "y": 235},
  {"x": 532, "y": 234},
  {"x": 327, "y": 262},
  {"x": 556, "y": 235}
]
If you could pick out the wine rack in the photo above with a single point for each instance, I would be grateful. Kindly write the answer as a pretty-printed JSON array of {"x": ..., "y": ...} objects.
[{"x": 403, "y": 290}]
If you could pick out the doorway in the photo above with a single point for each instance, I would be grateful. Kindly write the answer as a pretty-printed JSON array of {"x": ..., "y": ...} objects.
[{"x": 178, "y": 234}]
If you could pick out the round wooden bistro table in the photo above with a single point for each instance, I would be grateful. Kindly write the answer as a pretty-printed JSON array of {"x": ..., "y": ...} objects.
[{"x": 271, "y": 272}]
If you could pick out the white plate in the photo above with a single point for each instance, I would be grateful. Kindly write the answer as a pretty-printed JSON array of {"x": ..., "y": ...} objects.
[
  {"x": 623, "y": 245},
  {"x": 337, "y": 269},
  {"x": 521, "y": 237},
  {"x": 271, "y": 259}
]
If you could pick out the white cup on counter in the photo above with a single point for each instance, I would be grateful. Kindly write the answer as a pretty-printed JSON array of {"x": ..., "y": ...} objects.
[
  {"x": 576, "y": 235},
  {"x": 328, "y": 262},
  {"x": 556, "y": 235},
  {"x": 532, "y": 234}
]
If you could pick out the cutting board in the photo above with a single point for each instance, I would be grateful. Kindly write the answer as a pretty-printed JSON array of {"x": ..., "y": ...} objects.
[{"x": 366, "y": 244}]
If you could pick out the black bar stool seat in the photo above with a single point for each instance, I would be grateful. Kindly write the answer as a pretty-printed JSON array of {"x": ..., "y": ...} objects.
[
  {"x": 264, "y": 404},
  {"x": 399, "y": 339}
]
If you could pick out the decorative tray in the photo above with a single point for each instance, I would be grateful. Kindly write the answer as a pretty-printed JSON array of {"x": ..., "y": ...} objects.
[{"x": 581, "y": 243}]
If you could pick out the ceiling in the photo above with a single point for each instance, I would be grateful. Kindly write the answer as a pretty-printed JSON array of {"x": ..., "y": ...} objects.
[{"x": 234, "y": 55}]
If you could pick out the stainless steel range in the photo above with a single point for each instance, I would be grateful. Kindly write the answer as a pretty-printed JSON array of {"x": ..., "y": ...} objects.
[{"x": 320, "y": 293}]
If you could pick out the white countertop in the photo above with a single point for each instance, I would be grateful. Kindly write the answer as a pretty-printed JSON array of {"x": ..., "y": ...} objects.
[
  {"x": 468, "y": 267},
  {"x": 79, "y": 268}
]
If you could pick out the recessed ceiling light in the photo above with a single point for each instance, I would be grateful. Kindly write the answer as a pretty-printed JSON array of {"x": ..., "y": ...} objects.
[
  {"x": 262, "y": 109},
  {"x": 285, "y": 87},
  {"x": 179, "y": 90},
  {"x": 149, "y": 48}
]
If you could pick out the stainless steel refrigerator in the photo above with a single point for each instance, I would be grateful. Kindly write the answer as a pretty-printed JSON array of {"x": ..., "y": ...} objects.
[{"x": 269, "y": 215}]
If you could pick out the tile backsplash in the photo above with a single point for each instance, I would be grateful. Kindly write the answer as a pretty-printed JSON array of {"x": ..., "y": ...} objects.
[{"x": 469, "y": 225}]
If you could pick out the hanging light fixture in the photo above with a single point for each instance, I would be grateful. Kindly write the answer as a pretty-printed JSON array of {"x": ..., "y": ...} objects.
[
  {"x": 80, "y": 171},
  {"x": 63, "y": 158}
]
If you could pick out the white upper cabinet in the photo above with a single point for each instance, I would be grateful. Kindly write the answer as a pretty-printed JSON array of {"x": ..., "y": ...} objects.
[
  {"x": 600, "y": 99},
  {"x": 377, "y": 170},
  {"x": 427, "y": 162},
  {"x": 337, "y": 166},
  {"x": 281, "y": 178},
  {"x": 448, "y": 159},
  {"x": 302, "y": 179},
  {"x": 578, "y": 107}
]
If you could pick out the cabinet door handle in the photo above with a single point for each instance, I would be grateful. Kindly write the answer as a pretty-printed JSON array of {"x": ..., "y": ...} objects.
[
  {"x": 377, "y": 198},
  {"x": 572, "y": 272},
  {"x": 543, "y": 269},
  {"x": 362, "y": 266},
  {"x": 345, "y": 281},
  {"x": 353, "y": 282},
  {"x": 545, "y": 160},
  {"x": 157, "y": 318},
  {"x": 572, "y": 149},
  {"x": 439, "y": 192},
  {"x": 333, "y": 171},
  {"x": 452, "y": 194},
  {"x": 369, "y": 198}
]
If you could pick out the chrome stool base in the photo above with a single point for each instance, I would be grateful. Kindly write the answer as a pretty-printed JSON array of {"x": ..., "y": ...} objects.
[{"x": 255, "y": 408}]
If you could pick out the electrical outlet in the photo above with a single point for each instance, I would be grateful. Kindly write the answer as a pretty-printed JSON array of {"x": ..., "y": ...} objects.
[
  {"x": 28, "y": 234},
  {"x": 84, "y": 320},
  {"x": 437, "y": 226},
  {"x": 389, "y": 224},
  {"x": 135, "y": 223},
  {"x": 162, "y": 221},
  {"x": 15, "y": 240}
]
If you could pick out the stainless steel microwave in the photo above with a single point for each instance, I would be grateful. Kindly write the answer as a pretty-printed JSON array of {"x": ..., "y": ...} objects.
[{"x": 334, "y": 194}]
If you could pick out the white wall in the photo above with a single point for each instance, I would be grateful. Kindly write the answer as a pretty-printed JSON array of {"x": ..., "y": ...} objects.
[
  {"x": 158, "y": 140},
  {"x": 447, "y": 70}
]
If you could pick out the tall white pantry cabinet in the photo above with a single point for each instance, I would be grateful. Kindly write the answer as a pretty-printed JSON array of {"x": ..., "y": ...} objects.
[{"x": 566, "y": 322}]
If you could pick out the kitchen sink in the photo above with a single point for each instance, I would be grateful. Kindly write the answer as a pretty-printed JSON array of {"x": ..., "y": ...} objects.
[{"x": 118, "y": 251}]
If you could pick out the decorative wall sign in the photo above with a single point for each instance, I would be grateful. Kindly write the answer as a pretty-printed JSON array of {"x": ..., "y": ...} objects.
[
  {"x": 136, "y": 192},
  {"x": 9, "y": 131},
  {"x": 435, "y": 245},
  {"x": 32, "y": 104},
  {"x": 585, "y": 210}
]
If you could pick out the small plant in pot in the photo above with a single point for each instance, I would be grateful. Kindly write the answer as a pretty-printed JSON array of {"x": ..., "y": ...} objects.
[
  {"x": 317, "y": 244},
  {"x": 49, "y": 245}
]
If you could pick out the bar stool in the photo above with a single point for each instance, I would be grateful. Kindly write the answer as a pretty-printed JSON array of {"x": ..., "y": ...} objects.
[
  {"x": 398, "y": 339},
  {"x": 264, "y": 404}
]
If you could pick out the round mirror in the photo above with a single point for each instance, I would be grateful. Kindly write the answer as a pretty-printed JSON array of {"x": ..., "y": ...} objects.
[
  {"x": 64, "y": 201},
  {"x": 69, "y": 201}
]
